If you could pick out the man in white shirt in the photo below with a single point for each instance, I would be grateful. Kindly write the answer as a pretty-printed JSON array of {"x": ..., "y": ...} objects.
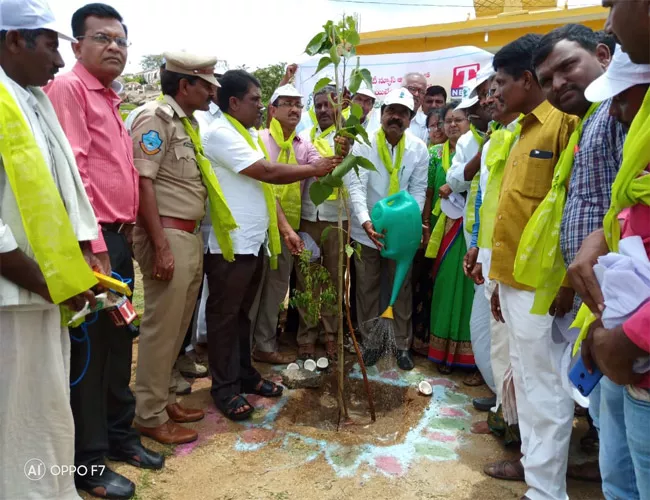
[
  {"x": 498, "y": 351},
  {"x": 36, "y": 423},
  {"x": 365, "y": 191},
  {"x": 365, "y": 98},
  {"x": 314, "y": 221},
  {"x": 463, "y": 179},
  {"x": 282, "y": 145},
  {"x": 416, "y": 84},
  {"x": 231, "y": 144}
]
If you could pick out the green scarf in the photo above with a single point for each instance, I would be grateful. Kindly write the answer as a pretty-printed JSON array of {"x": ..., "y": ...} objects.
[
  {"x": 289, "y": 194},
  {"x": 269, "y": 196},
  {"x": 438, "y": 231},
  {"x": 223, "y": 221},
  {"x": 501, "y": 142},
  {"x": 47, "y": 226},
  {"x": 631, "y": 187},
  {"x": 539, "y": 263},
  {"x": 392, "y": 167},
  {"x": 470, "y": 213}
]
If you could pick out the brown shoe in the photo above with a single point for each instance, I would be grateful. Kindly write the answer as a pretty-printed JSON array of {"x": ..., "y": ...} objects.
[
  {"x": 169, "y": 433},
  {"x": 510, "y": 470},
  {"x": 184, "y": 415},
  {"x": 273, "y": 358}
]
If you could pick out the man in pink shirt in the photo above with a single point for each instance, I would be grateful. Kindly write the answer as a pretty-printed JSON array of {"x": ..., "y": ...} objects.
[
  {"x": 285, "y": 110},
  {"x": 623, "y": 422},
  {"x": 87, "y": 104}
]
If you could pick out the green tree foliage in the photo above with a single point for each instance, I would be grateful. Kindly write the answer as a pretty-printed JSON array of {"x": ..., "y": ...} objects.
[
  {"x": 151, "y": 62},
  {"x": 269, "y": 77}
]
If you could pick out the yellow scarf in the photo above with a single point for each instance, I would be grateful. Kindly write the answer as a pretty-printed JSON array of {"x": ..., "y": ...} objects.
[
  {"x": 289, "y": 194},
  {"x": 269, "y": 196},
  {"x": 501, "y": 142},
  {"x": 393, "y": 167},
  {"x": 223, "y": 221},
  {"x": 322, "y": 145},
  {"x": 473, "y": 191},
  {"x": 631, "y": 187},
  {"x": 439, "y": 229},
  {"x": 45, "y": 220},
  {"x": 539, "y": 262}
]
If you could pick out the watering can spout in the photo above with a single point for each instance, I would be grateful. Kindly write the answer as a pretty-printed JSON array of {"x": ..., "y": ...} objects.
[
  {"x": 402, "y": 267},
  {"x": 400, "y": 217}
]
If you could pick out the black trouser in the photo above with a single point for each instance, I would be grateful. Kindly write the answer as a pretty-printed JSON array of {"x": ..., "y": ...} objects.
[
  {"x": 102, "y": 402},
  {"x": 190, "y": 329},
  {"x": 233, "y": 286}
]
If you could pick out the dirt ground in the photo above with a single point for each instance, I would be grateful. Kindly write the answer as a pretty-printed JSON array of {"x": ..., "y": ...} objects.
[{"x": 418, "y": 448}]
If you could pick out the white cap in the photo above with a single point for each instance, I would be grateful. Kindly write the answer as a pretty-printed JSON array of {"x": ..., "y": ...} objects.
[
  {"x": 287, "y": 90},
  {"x": 621, "y": 75},
  {"x": 399, "y": 96},
  {"x": 30, "y": 15},
  {"x": 467, "y": 103},
  {"x": 482, "y": 76},
  {"x": 367, "y": 92}
]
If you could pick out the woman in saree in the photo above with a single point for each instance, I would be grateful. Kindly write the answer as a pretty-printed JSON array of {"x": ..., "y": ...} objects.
[
  {"x": 422, "y": 282},
  {"x": 453, "y": 292}
]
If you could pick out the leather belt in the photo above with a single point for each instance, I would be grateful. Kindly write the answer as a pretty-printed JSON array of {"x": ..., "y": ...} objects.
[
  {"x": 189, "y": 226},
  {"x": 117, "y": 227}
]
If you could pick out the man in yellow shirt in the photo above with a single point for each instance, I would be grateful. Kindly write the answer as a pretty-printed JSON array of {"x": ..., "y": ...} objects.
[{"x": 544, "y": 408}]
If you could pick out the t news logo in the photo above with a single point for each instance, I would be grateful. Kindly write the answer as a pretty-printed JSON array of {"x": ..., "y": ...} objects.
[{"x": 462, "y": 75}]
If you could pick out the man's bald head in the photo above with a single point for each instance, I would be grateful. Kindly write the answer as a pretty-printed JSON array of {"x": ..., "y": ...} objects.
[{"x": 416, "y": 84}]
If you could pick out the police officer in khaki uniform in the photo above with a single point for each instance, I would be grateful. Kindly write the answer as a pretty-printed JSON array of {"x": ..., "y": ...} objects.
[{"x": 167, "y": 241}]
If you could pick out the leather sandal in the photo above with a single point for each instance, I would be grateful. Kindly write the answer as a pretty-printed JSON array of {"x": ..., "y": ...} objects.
[
  {"x": 508, "y": 470},
  {"x": 230, "y": 404},
  {"x": 266, "y": 389}
]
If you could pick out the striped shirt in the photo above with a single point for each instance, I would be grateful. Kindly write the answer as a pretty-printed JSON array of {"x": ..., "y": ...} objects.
[{"x": 89, "y": 114}]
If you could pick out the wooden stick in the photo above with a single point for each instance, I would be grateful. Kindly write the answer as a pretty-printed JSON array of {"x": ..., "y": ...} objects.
[{"x": 362, "y": 365}]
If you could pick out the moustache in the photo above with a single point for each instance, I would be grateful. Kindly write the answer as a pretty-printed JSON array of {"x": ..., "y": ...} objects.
[{"x": 396, "y": 122}]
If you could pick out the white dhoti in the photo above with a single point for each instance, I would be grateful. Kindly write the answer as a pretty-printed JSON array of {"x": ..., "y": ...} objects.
[
  {"x": 544, "y": 407},
  {"x": 36, "y": 424},
  {"x": 499, "y": 356},
  {"x": 479, "y": 327},
  {"x": 200, "y": 328}
]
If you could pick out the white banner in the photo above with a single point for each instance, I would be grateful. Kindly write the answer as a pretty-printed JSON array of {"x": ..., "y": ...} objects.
[{"x": 449, "y": 68}]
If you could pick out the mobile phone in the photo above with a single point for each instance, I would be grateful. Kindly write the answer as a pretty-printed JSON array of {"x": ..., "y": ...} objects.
[
  {"x": 542, "y": 155},
  {"x": 582, "y": 379}
]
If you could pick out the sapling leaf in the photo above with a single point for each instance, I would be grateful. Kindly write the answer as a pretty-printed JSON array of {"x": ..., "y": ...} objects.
[
  {"x": 323, "y": 235},
  {"x": 356, "y": 110},
  {"x": 362, "y": 132},
  {"x": 365, "y": 163},
  {"x": 322, "y": 64},
  {"x": 315, "y": 44},
  {"x": 334, "y": 54},
  {"x": 352, "y": 121},
  {"x": 349, "y": 251},
  {"x": 319, "y": 192},
  {"x": 353, "y": 37},
  {"x": 323, "y": 82},
  {"x": 367, "y": 77}
]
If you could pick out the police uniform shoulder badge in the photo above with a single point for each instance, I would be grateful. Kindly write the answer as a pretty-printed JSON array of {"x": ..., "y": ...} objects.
[{"x": 151, "y": 142}]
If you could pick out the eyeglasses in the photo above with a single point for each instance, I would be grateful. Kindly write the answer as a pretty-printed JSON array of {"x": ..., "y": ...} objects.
[
  {"x": 456, "y": 121},
  {"x": 290, "y": 105},
  {"x": 415, "y": 90},
  {"x": 436, "y": 126},
  {"x": 106, "y": 40}
]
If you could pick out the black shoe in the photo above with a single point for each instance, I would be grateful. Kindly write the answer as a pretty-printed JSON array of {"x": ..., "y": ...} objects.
[
  {"x": 138, "y": 456},
  {"x": 105, "y": 484},
  {"x": 405, "y": 360},
  {"x": 371, "y": 356},
  {"x": 484, "y": 404}
]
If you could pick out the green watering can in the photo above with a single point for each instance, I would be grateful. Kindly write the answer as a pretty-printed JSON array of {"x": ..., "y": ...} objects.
[{"x": 400, "y": 217}]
